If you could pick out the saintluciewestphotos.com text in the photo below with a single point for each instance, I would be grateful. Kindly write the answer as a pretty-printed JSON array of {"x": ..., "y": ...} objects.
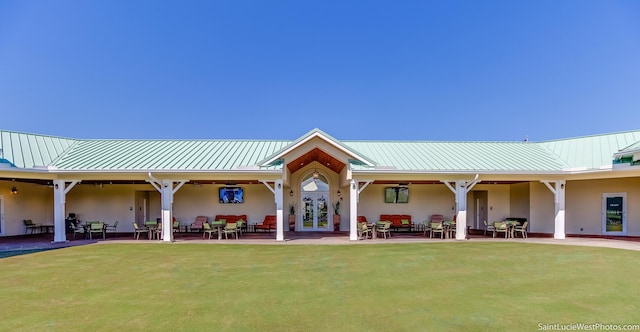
[{"x": 588, "y": 327}]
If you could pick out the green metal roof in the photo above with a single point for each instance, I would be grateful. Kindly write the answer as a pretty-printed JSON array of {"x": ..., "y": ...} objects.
[
  {"x": 29, "y": 150},
  {"x": 591, "y": 152},
  {"x": 583, "y": 153},
  {"x": 170, "y": 155},
  {"x": 459, "y": 156},
  {"x": 629, "y": 150}
]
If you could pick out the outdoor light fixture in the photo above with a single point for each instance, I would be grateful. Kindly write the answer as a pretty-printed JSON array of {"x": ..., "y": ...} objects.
[
  {"x": 14, "y": 190},
  {"x": 291, "y": 193},
  {"x": 316, "y": 174},
  {"x": 339, "y": 193}
]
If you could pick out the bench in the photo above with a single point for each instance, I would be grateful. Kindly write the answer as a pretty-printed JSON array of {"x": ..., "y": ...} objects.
[
  {"x": 398, "y": 221},
  {"x": 267, "y": 224}
]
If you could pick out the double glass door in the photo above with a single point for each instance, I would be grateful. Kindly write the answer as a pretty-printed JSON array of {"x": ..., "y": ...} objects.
[
  {"x": 315, "y": 211},
  {"x": 315, "y": 203}
]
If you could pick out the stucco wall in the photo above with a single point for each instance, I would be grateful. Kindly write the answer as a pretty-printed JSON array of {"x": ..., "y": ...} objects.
[
  {"x": 107, "y": 203},
  {"x": 424, "y": 200},
  {"x": 30, "y": 203},
  {"x": 498, "y": 200},
  {"x": 192, "y": 201},
  {"x": 520, "y": 200},
  {"x": 542, "y": 209},
  {"x": 584, "y": 204}
]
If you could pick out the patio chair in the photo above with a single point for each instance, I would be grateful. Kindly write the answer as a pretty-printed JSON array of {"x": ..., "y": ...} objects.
[
  {"x": 488, "y": 227},
  {"x": 450, "y": 229},
  {"x": 241, "y": 224},
  {"x": 230, "y": 228},
  {"x": 522, "y": 229},
  {"x": 384, "y": 228},
  {"x": 501, "y": 227},
  {"x": 208, "y": 230},
  {"x": 30, "y": 226},
  {"x": 96, "y": 227},
  {"x": 77, "y": 230},
  {"x": 363, "y": 231},
  {"x": 157, "y": 232},
  {"x": 197, "y": 224},
  {"x": 427, "y": 227},
  {"x": 176, "y": 226},
  {"x": 137, "y": 230},
  {"x": 436, "y": 227},
  {"x": 111, "y": 228}
]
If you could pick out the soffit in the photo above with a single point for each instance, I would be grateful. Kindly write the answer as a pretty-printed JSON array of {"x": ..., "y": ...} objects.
[{"x": 319, "y": 156}]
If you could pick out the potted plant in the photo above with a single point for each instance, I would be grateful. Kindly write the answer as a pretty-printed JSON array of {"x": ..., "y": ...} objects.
[
  {"x": 336, "y": 216},
  {"x": 292, "y": 216}
]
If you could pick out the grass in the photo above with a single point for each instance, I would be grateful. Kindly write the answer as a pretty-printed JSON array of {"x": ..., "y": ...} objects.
[{"x": 400, "y": 287}]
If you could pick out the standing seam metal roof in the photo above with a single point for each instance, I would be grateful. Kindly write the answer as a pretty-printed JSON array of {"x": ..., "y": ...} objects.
[{"x": 590, "y": 152}]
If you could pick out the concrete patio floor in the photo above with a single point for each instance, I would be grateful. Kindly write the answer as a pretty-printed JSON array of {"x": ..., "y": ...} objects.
[{"x": 44, "y": 241}]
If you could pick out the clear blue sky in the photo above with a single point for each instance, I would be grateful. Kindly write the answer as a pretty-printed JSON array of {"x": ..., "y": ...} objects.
[{"x": 407, "y": 70}]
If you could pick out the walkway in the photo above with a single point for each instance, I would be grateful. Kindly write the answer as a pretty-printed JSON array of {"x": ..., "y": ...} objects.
[{"x": 38, "y": 241}]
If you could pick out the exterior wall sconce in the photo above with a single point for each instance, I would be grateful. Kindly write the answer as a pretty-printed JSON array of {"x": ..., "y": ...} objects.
[
  {"x": 291, "y": 193},
  {"x": 316, "y": 174},
  {"x": 562, "y": 186},
  {"x": 56, "y": 186},
  {"x": 14, "y": 191}
]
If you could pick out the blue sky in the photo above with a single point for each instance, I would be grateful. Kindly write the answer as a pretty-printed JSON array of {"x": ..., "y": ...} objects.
[{"x": 405, "y": 70}]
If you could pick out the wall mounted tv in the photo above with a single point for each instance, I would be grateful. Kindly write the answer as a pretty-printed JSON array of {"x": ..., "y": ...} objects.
[
  {"x": 396, "y": 195},
  {"x": 231, "y": 195}
]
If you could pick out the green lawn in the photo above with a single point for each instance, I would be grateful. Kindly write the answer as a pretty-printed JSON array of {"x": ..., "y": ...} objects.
[{"x": 398, "y": 287}]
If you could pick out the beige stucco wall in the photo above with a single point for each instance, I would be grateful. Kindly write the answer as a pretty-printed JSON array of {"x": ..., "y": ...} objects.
[
  {"x": 584, "y": 204},
  {"x": 192, "y": 201},
  {"x": 541, "y": 209},
  {"x": 498, "y": 200},
  {"x": 520, "y": 200},
  {"x": 32, "y": 202},
  {"x": 107, "y": 203},
  {"x": 424, "y": 200}
]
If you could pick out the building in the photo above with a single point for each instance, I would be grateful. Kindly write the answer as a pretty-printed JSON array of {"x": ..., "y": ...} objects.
[{"x": 585, "y": 185}]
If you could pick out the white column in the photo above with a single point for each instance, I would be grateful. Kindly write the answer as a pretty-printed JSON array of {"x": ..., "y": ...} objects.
[
  {"x": 558, "y": 198},
  {"x": 59, "y": 229},
  {"x": 60, "y": 190},
  {"x": 279, "y": 210},
  {"x": 353, "y": 210},
  {"x": 166, "y": 192},
  {"x": 559, "y": 205},
  {"x": 461, "y": 209}
]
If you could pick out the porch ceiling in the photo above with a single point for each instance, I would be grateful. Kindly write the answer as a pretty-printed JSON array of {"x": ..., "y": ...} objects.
[
  {"x": 438, "y": 182},
  {"x": 318, "y": 156}
]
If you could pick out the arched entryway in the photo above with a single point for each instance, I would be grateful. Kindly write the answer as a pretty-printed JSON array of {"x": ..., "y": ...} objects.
[{"x": 315, "y": 202}]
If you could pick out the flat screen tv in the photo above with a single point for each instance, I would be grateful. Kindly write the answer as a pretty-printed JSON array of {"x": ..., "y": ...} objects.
[
  {"x": 231, "y": 195},
  {"x": 396, "y": 195}
]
